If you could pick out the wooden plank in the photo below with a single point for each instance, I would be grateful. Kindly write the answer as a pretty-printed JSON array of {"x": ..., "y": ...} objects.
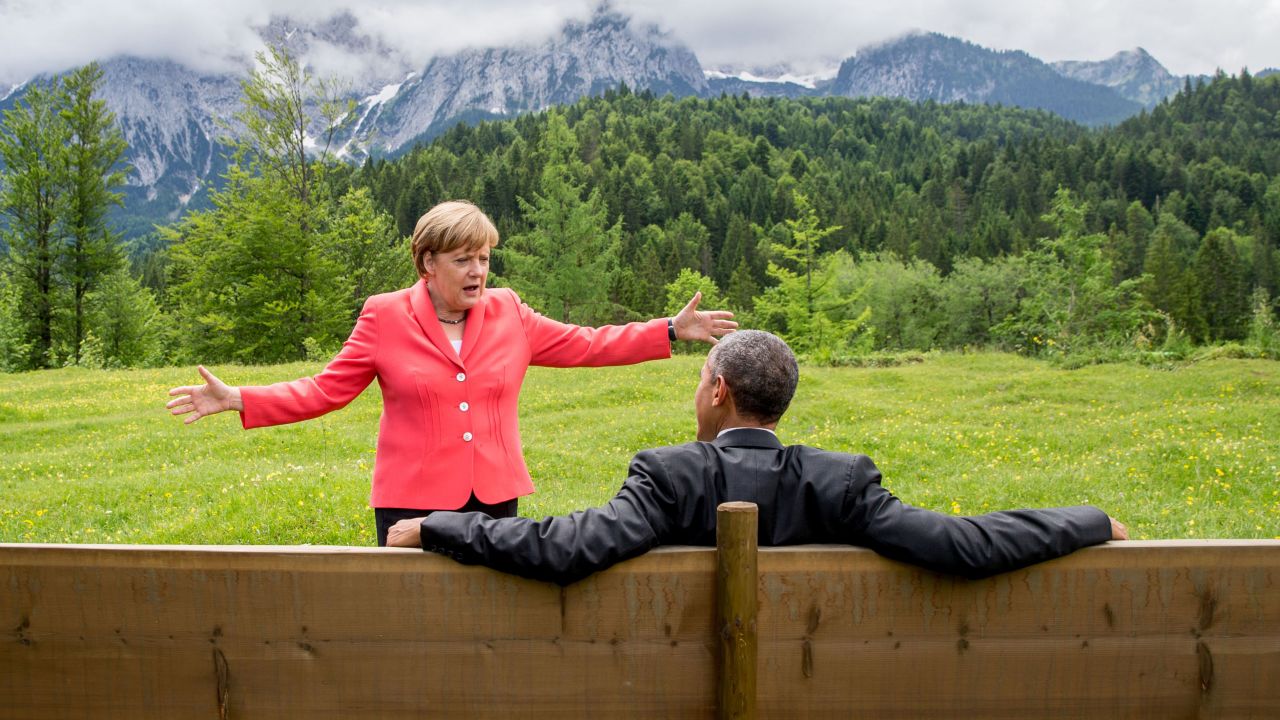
[
  {"x": 142, "y": 632},
  {"x": 1139, "y": 629}
]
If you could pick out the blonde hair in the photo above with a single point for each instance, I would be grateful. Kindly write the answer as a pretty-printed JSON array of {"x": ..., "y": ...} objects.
[{"x": 448, "y": 226}]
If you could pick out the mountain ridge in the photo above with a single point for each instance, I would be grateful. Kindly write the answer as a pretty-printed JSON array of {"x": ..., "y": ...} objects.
[
  {"x": 930, "y": 66},
  {"x": 1135, "y": 74},
  {"x": 173, "y": 117}
]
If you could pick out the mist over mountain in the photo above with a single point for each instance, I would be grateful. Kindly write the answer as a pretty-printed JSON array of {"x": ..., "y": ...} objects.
[
  {"x": 776, "y": 80},
  {"x": 337, "y": 47},
  {"x": 586, "y": 58}
]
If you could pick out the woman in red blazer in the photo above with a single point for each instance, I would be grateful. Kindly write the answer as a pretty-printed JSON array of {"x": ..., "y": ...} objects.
[{"x": 449, "y": 356}]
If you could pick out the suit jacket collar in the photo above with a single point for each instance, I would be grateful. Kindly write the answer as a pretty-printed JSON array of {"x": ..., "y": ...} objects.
[
  {"x": 749, "y": 437},
  {"x": 425, "y": 313},
  {"x": 475, "y": 322}
]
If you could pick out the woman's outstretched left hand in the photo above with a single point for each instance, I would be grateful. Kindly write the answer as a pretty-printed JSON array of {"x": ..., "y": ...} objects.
[{"x": 706, "y": 325}]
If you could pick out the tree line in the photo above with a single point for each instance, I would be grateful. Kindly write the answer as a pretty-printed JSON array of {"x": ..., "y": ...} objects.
[
  {"x": 65, "y": 292},
  {"x": 846, "y": 225},
  {"x": 953, "y": 225}
]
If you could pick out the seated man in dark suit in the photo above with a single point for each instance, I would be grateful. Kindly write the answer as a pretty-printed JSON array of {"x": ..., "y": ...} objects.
[{"x": 805, "y": 495}]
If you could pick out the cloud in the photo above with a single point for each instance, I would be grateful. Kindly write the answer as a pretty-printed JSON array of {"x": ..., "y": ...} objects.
[
  {"x": 53, "y": 35},
  {"x": 424, "y": 30},
  {"x": 1186, "y": 35},
  {"x": 38, "y": 36}
]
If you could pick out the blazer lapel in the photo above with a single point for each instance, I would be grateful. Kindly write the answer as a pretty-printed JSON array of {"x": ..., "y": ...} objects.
[
  {"x": 475, "y": 322},
  {"x": 425, "y": 313}
]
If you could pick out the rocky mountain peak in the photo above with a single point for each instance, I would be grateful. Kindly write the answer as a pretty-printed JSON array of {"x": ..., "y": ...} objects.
[
  {"x": 585, "y": 58},
  {"x": 1132, "y": 73},
  {"x": 172, "y": 116},
  {"x": 930, "y": 66}
]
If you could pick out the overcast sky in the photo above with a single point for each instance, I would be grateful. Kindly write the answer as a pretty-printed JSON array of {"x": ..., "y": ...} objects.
[{"x": 1186, "y": 36}]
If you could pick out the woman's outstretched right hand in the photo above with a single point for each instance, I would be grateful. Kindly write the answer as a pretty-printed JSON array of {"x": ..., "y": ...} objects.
[{"x": 213, "y": 397}]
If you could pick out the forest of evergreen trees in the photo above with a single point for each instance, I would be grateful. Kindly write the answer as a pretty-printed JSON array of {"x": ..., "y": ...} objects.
[
  {"x": 846, "y": 225},
  {"x": 956, "y": 225}
]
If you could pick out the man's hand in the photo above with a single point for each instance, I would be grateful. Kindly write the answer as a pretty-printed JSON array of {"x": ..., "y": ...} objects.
[
  {"x": 214, "y": 396},
  {"x": 406, "y": 533},
  {"x": 1118, "y": 530},
  {"x": 705, "y": 326}
]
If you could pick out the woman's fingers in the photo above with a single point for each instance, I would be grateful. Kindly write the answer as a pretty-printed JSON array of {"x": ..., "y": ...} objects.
[
  {"x": 187, "y": 397},
  {"x": 196, "y": 401},
  {"x": 208, "y": 376},
  {"x": 718, "y": 323},
  {"x": 705, "y": 325},
  {"x": 724, "y": 327}
]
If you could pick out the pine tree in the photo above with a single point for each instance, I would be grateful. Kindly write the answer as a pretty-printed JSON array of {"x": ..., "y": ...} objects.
[
  {"x": 805, "y": 307},
  {"x": 1219, "y": 286},
  {"x": 14, "y": 343},
  {"x": 565, "y": 264},
  {"x": 1163, "y": 270},
  {"x": 33, "y": 140},
  {"x": 687, "y": 246},
  {"x": 742, "y": 288},
  {"x": 1072, "y": 302},
  {"x": 1138, "y": 227},
  {"x": 739, "y": 240},
  {"x": 639, "y": 281},
  {"x": 94, "y": 172},
  {"x": 362, "y": 240},
  {"x": 124, "y": 324}
]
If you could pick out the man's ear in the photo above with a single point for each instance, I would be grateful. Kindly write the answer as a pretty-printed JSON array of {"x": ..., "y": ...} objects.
[{"x": 720, "y": 392}]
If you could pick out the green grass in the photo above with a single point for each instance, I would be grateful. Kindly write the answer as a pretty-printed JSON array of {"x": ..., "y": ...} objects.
[{"x": 92, "y": 456}]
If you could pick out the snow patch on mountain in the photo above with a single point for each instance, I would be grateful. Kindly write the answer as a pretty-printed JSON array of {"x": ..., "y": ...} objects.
[
  {"x": 371, "y": 107},
  {"x": 586, "y": 58},
  {"x": 811, "y": 77},
  {"x": 11, "y": 90}
]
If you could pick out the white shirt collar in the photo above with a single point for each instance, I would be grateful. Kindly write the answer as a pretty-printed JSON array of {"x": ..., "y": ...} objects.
[{"x": 746, "y": 428}]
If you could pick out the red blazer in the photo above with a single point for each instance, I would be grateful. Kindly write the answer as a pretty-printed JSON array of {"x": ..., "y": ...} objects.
[{"x": 449, "y": 426}]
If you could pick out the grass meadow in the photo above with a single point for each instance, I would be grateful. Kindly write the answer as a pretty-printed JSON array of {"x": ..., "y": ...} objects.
[{"x": 91, "y": 456}]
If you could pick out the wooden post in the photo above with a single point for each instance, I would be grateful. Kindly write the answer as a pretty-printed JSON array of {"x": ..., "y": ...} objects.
[{"x": 736, "y": 602}]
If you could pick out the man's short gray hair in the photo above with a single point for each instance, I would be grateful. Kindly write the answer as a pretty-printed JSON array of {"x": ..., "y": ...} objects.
[{"x": 761, "y": 372}]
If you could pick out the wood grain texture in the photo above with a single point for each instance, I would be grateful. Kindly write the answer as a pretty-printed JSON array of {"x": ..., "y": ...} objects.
[
  {"x": 1140, "y": 629},
  {"x": 737, "y": 607}
]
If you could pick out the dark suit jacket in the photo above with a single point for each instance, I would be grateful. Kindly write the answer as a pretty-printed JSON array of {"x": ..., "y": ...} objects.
[{"x": 805, "y": 495}]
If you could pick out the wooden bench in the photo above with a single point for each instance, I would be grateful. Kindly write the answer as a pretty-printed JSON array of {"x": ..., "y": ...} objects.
[{"x": 1170, "y": 629}]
